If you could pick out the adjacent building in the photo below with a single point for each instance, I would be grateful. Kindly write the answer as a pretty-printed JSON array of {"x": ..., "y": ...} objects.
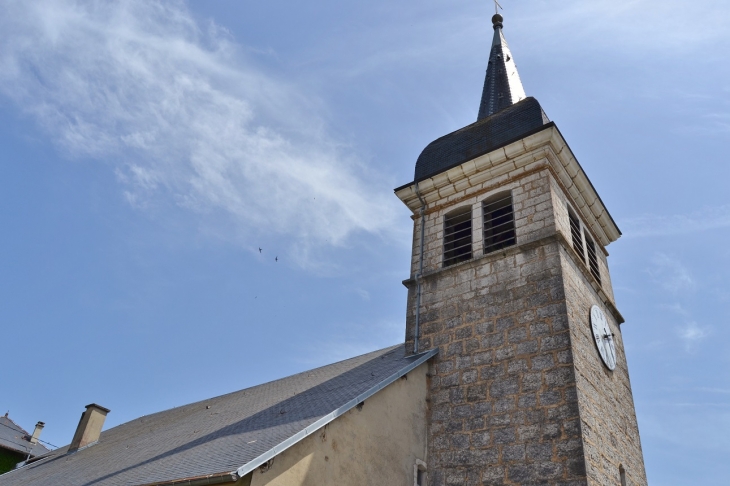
[{"x": 17, "y": 445}]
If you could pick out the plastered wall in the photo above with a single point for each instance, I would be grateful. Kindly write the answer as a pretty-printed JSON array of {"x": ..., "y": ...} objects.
[{"x": 376, "y": 445}]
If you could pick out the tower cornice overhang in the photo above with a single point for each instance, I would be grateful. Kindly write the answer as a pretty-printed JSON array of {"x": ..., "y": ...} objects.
[{"x": 546, "y": 146}]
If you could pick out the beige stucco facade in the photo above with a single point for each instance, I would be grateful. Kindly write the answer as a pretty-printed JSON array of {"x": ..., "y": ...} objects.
[{"x": 378, "y": 443}]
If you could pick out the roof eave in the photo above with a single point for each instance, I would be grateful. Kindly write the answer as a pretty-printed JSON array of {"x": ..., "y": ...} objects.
[
  {"x": 299, "y": 436},
  {"x": 217, "y": 478},
  {"x": 561, "y": 160}
]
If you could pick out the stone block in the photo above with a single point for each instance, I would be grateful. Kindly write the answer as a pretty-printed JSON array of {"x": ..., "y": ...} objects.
[
  {"x": 476, "y": 393},
  {"x": 527, "y": 347},
  {"x": 504, "y": 436},
  {"x": 480, "y": 440},
  {"x": 460, "y": 441},
  {"x": 539, "y": 452},
  {"x": 504, "y": 386},
  {"x": 513, "y": 453},
  {"x": 469, "y": 377},
  {"x": 462, "y": 411}
]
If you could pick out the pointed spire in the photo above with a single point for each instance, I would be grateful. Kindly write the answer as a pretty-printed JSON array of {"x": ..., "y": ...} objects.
[{"x": 502, "y": 86}]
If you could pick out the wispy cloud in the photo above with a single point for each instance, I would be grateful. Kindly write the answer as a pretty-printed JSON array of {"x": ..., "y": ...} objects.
[
  {"x": 691, "y": 334},
  {"x": 629, "y": 28},
  {"x": 338, "y": 345},
  {"x": 364, "y": 294},
  {"x": 720, "y": 391},
  {"x": 671, "y": 274},
  {"x": 719, "y": 122},
  {"x": 644, "y": 25},
  {"x": 182, "y": 115},
  {"x": 647, "y": 225}
]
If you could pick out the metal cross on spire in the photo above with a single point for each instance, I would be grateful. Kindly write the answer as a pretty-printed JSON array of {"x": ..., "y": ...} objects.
[{"x": 497, "y": 6}]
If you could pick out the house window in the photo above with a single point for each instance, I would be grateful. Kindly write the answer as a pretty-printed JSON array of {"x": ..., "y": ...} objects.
[
  {"x": 576, "y": 234},
  {"x": 593, "y": 259},
  {"x": 457, "y": 236},
  {"x": 622, "y": 475},
  {"x": 499, "y": 222}
]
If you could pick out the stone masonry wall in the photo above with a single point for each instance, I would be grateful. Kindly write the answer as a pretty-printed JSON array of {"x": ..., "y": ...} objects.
[
  {"x": 610, "y": 431},
  {"x": 508, "y": 391},
  {"x": 534, "y": 217},
  {"x": 562, "y": 223},
  {"x": 504, "y": 397}
]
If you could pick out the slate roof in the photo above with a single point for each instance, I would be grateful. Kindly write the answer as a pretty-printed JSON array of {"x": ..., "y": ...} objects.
[
  {"x": 222, "y": 434},
  {"x": 512, "y": 123},
  {"x": 15, "y": 438}
]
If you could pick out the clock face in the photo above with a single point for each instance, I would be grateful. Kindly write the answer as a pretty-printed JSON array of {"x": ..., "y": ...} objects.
[{"x": 604, "y": 337}]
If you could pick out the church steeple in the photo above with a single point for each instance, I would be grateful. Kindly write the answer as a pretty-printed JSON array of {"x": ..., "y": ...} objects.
[{"x": 502, "y": 86}]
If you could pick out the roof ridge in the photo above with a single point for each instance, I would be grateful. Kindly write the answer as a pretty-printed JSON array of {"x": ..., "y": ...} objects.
[
  {"x": 13, "y": 422},
  {"x": 383, "y": 351}
]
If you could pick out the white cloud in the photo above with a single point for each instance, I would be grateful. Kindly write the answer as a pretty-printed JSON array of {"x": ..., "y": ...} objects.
[
  {"x": 709, "y": 218},
  {"x": 184, "y": 116},
  {"x": 459, "y": 29},
  {"x": 671, "y": 274},
  {"x": 663, "y": 26},
  {"x": 692, "y": 334},
  {"x": 718, "y": 123},
  {"x": 364, "y": 294}
]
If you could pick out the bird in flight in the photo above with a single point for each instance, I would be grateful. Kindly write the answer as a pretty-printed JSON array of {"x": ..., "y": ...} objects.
[
  {"x": 259, "y": 249},
  {"x": 276, "y": 259}
]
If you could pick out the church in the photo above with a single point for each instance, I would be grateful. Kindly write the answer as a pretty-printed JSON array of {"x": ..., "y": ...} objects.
[{"x": 512, "y": 370}]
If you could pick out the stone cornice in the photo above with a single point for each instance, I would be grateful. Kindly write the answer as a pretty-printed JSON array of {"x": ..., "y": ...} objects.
[
  {"x": 519, "y": 248},
  {"x": 510, "y": 161}
]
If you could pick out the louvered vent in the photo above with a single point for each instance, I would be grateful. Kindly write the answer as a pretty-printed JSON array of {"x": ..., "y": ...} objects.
[
  {"x": 457, "y": 236},
  {"x": 593, "y": 259},
  {"x": 499, "y": 223},
  {"x": 576, "y": 234}
]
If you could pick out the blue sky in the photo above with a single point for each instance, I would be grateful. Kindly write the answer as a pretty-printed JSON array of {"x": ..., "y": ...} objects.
[{"x": 149, "y": 150}]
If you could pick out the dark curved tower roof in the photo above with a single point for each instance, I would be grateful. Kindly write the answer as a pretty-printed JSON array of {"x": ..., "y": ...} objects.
[
  {"x": 505, "y": 115},
  {"x": 510, "y": 124}
]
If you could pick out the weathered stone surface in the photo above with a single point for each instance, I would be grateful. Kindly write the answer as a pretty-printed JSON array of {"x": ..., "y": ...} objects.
[{"x": 519, "y": 394}]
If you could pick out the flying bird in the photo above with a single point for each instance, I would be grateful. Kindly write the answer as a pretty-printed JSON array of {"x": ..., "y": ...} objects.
[
  {"x": 276, "y": 259},
  {"x": 259, "y": 249}
]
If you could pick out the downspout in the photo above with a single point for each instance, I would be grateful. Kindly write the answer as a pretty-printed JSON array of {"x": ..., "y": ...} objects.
[{"x": 420, "y": 272}]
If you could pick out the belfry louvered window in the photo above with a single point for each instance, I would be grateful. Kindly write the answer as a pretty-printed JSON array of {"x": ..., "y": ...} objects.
[
  {"x": 457, "y": 236},
  {"x": 576, "y": 234},
  {"x": 593, "y": 259},
  {"x": 499, "y": 222}
]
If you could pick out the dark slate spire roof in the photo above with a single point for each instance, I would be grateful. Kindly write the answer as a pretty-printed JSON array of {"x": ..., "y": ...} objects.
[
  {"x": 502, "y": 85},
  {"x": 506, "y": 115}
]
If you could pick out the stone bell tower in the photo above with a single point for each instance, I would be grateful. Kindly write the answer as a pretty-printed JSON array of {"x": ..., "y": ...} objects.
[{"x": 509, "y": 279}]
